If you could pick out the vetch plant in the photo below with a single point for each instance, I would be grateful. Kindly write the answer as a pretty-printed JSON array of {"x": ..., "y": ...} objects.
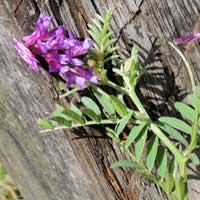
[{"x": 170, "y": 141}]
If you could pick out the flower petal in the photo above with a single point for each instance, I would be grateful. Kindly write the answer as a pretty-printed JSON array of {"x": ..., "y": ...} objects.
[
  {"x": 188, "y": 38},
  {"x": 76, "y": 62},
  {"x": 43, "y": 22},
  {"x": 26, "y": 55},
  {"x": 31, "y": 39},
  {"x": 82, "y": 48}
]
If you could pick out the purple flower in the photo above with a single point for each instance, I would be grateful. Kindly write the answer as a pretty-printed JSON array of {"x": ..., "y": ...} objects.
[
  {"x": 82, "y": 48},
  {"x": 43, "y": 22},
  {"x": 63, "y": 54},
  {"x": 56, "y": 61},
  {"x": 41, "y": 27},
  {"x": 50, "y": 41},
  {"x": 26, "y": 55},
  {"x": 79, "y": 76},
  {"x": 187, "y": 38}
]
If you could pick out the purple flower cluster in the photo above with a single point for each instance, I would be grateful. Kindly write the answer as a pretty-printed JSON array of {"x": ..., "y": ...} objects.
[
  {"x": 188, "y": 38},
  {"x": 60, "y": 52}
]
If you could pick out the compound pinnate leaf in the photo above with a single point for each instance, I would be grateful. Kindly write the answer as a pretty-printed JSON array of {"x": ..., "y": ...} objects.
[
  {"x": 176, "y": 123},
  {"x": 135, "y": 131},
  {"x": 161, "y": 161},
  {"x": 152, "y": 149},
  {"x": 124, "y": 163},
  {"x": 45, "y": 123},
  {"x": 140, "y": 143},
  {"x": 104, "y": 100},
  {"x": 89, "y": 103}
]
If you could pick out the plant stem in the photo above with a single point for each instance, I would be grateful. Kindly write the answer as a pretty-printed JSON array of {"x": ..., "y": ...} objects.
[
  {"x": 193, "y": 142},
  {"x": 88, "y": 123},
  {"x": 154, "y": 127},
  {"x": 188, "y": 67},
  {"x": 167, "y": 142},
  {"x": 115, "y": 86},
  {"x": 137, "y": 102},
  {"x": 157, "y": 130},
  {"x": 69, "y": 93}
]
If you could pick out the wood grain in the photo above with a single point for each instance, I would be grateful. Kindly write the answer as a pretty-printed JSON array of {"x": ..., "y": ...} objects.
[{"x": 55, "y": 166}]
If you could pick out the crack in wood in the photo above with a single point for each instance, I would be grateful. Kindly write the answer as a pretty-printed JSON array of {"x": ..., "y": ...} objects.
[
  {"x": 16, "y": 7},
  {"x": 112, "y": 180},
  {"x": 128, "y": 22}
]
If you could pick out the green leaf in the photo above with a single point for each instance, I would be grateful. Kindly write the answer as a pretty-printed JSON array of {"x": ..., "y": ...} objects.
[
  {"x": 95, "y": 38},
  {"x": 197, "y": 89},
  {"x": 195, "y": 159},
  {"x": 152, "y": 149},
  {"x": 95, "y": 32},
  {"x": 134, "y": 61},
  {"x": 74, "y": 116},
  {"x": 104, "y": 100},
  {"x": 112, "y": 134},
  {"x": 110, "y": 51},
  {"x": 123, "y": 122},
  {"x": 59, "y": 109},
  {"x": 106, "y": 22},
  {"x": 62, "y": 115},
  {"x": 89, "y": 103},
  {"x": 109, "y": 43},
  {"x": 173, "y": 166},
  {"x": 173, "y": 133},
  {"x": 97, "y": 24},
  {"x": 105, "y": 40},
  {"x": 120, "y": 108},
  {"x": 118, "y": 71},
  {"x": 124, "y": 163},
  {"x": 176, "y": 123},
  {"x": 45, "y": 123},
  {"x": 99, "y": 17},
  {"x": 185, "y": 110},
  {"x": 111, "y": 58},
  {"x": 135, "y": 131},
  {"x": 91, "y": 114},
  {"x": 192, "y": 100},
  {"x": 161, "y": 161},
  {"x": 169, "y": 184},
  {"x": 62, "y": 120},
  {"x": 102, "y": 37},
  {"x": 76, "y": 109},
  {"x": 140, "y": 143},
  {"x": 62, "y": 86}
]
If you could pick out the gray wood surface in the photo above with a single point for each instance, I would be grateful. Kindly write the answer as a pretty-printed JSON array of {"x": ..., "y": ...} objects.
[{"x": 55, "y": 166}]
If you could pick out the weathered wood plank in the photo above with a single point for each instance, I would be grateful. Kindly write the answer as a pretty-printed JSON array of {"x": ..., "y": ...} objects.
[
  {"x": 47, "y": 166},
  {"x": 52, "y": 166}
]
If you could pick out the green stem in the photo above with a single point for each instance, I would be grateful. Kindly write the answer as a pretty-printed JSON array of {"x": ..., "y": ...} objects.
[
  {"x": 180, "y": 158},
  {"x": 69, "y": 93},
  {"x": 88, "y": 123},
  {"x": 193, "y": 142},
  {"x": 188, "y": 67},
  {"x": 137, "y": 102},
  {"x": 154, "y": 127},
  {"x": 114, "y": 86},
  {"x": 157, "y": 130}
]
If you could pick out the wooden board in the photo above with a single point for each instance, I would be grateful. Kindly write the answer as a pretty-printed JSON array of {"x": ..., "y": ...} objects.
[{"x": 55, "y": 166}]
